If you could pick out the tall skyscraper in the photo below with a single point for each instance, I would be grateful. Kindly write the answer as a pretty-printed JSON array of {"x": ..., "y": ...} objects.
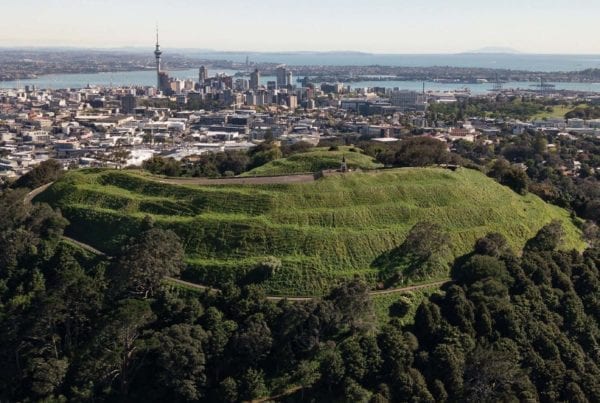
[
  {"x": 255, "y": 79},
  {"x": 202, "y": 74},
  {"x": 281, "y": 76},
  {"x": 157, "y": 55},
  {"x": 128, "y": 103}
]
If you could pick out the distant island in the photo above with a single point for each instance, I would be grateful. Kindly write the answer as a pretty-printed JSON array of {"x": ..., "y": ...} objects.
[{"x": 495, "y": 50}]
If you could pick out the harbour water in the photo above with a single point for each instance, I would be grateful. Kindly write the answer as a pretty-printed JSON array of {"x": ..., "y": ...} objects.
[
  {"x": 148, "y": 78},
  {"x": 512, "y": 61}
]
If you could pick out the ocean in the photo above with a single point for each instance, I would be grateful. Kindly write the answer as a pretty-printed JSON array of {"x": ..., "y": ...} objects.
[
  {"x": 509, "y": 61},
  {"x": 513, "y": 61}
]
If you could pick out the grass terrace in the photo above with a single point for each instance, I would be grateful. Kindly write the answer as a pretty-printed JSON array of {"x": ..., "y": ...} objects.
[
  {"x": 316, "y": 160},
  {"x": 322, "y": 231}
]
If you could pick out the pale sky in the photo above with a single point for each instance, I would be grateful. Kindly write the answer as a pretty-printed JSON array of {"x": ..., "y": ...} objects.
[{"x": 379, "y": 26}]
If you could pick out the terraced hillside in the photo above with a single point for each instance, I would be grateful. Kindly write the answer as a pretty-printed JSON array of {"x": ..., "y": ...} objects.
[
  {"x": 322, "y": 231},
  {"x": 318, "y": 159}
]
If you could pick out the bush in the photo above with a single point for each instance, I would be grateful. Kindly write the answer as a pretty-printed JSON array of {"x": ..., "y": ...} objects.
[
  {"x": 548, "y": 238},
  {"x": 162, "y": 166},
  {"x": 511, "y": 176},
  {"x": 480, "y": 267},
  {"x": 46, "y": 172},
  {"x": 421, "y": 151},
  {"x": 400, "y": 308},
  {"x": 493, "y": 244}
]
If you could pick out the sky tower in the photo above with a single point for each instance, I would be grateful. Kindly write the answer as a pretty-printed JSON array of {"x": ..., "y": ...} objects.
[{"x": 157, "y": 55}]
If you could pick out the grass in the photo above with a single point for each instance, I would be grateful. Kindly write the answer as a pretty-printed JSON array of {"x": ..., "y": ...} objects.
[
  {"x": 558, "y": 112},
  {"x": 322, "y": 231},
  {"x": 316, "y": 160}
]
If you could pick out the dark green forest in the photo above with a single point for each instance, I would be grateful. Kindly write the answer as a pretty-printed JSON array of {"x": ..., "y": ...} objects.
[{"x": 81, "y": 327}]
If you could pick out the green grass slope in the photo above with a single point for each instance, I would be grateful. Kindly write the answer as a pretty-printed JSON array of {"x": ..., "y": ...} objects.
[
  {"x": 313, "y": 161},
  {"x": 322, "y": 231}
]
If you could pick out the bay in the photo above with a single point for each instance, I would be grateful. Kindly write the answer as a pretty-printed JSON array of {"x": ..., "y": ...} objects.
[{"x": 148, "y": 78}]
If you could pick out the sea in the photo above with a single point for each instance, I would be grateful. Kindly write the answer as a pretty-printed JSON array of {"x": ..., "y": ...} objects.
[
  {"x": 505, "y": 61},
  {"x": 512, "y": 61}
]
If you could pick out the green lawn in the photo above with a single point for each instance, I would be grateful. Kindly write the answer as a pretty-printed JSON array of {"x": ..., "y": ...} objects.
[
  {"x": 558, "y": 112},
  {"x": 323, "y": 231}
]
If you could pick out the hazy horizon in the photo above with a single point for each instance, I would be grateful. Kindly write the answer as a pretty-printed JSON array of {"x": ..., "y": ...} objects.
[
  {"x": 379, "y": 26},
  {"x": 292, "y": 51}
]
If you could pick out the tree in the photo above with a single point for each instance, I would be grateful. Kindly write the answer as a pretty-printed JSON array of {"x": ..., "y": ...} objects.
[
  {"x": 332, "y": 367},
  {"x": 109, "y": 360},
  {"x": 46, "y": 172},
  {"x": 47, "y": 375},
  {"x": 400, "y": 308},
  {"x": 228, "y": 390},
  {"x": 449, "y": 364},
  {"x": 421, "y": 151},
  {"x": 493, "y": 244},
  {"x": 354, "y": 392},
  {"x": 548, "y": 238},
  {"x": 260, "y": 158},
  {"x": 511, "y": 176},
  {"x": 263, "y": 271},
  {"x": 219, "y": 332},
  {"x": 352, "y": 306},
  {"x": 254, "y": 341},
  {"x": 253, "y": 384},
  {"x": 147, "y": 259},
  {"x": 307, "y": 374},
  {"x": 424, "y": 252},
  {"x": 162, "y": 166},
  {"x": 354, "y": 359},
  {"x": 490, "y": 374},
  {"x": 181, "y": 360},
  {"x": 480, "y": 267},
  {"x": 517, "y": 180}
]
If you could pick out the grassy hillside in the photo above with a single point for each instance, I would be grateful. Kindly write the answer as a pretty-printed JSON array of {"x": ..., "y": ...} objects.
[
  {"x": 318, "y": 159},
  {"x": 322, "y": 231}
]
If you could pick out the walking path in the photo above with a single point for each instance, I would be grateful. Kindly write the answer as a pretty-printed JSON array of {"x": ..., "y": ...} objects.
[{"x": 31, "y": 195}]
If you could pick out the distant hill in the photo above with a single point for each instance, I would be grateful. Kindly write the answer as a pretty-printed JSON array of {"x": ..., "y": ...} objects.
[
  {"x": 495, "y": 49},
  {"x": 322, "y": 231},
  {"x": 316, "y": 160}
]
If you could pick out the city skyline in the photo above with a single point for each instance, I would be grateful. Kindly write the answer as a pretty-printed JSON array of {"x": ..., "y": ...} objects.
[{"x": 381, "y": 26}]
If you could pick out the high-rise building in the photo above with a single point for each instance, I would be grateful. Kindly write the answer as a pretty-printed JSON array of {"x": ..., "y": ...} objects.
[
  {"x": 128, "y": 103},
  {"x": 408, "y": 100},
  {"x": 255, "y": 79},
  {"x": 164, "y": 83},
  {"x": 289, "y": 78},
  {"x": 157, "y": 55},
  {"x": 202, "y": 74},
  {"x": 281, "y": 74}
]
